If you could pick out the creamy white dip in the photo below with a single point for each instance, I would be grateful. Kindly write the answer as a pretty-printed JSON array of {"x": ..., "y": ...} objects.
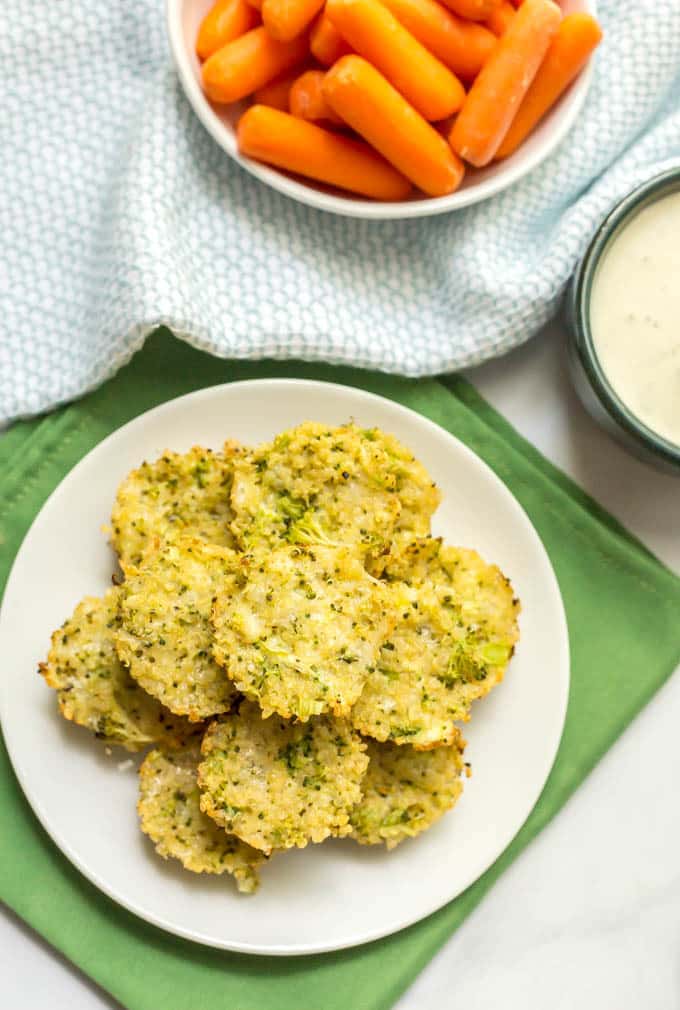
[{"x": 635, "y": 315}]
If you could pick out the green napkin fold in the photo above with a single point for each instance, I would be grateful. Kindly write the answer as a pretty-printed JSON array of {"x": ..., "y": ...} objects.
[{"x": 622, "y": 607}]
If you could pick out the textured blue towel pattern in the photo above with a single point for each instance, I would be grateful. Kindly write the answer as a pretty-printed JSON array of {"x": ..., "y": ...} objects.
[{"x": 118, "y": 212}]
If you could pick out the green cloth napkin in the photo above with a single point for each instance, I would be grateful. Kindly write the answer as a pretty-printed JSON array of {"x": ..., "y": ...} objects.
[{"x": 622, "y": 607}]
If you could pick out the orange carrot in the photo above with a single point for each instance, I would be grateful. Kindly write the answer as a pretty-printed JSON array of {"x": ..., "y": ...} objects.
[
  {"x": 297, "y": 146},
  {"x": 499, "y": 20},
  {"x": 326, "y": 42},
  {"x": 276, "y": 94},
  {"x": 286, "y": 19},
  {"x": 503, "y": 81},
  {"x": 462, "y": 46},
  {"x": 244, "y": 65},
  {"x": 307, "y": 99},
  {"x": 473, "y": 10},
  {"x": 577, "y": 37},
  {"x": 367, "y": 102},
  {"x": 257, "y": 4},
  {"x": 225, "y": 21},
  {"x": 374, "y": 33}
]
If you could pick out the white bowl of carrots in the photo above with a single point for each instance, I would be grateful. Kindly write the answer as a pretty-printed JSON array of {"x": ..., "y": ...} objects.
[{"x": 385, "y": 108}]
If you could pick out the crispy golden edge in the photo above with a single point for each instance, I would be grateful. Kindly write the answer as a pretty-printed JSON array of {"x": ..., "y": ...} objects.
[
  {"x": 111, "y": 705},
  {"x": 451, "y": 598},
  {"x": 302, "y": 487},
  {"x": 406, "y": 791},
  {"x": 175, "y": 494},
  {"x": 169, "y": 813}
]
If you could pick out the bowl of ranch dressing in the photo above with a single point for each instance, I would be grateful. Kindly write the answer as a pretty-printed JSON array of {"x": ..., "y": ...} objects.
[{"x": 623, "y": 310}]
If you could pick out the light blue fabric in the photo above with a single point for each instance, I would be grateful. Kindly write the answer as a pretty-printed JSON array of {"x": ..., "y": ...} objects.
[{"x": 118, "y": 212}]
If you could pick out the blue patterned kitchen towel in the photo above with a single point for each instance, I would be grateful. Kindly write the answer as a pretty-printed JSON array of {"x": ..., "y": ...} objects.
[{"x": 118, "y": 212}]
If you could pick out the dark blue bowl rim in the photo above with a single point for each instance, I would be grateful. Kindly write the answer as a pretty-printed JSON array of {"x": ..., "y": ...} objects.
[{"x": 644, "y": 195}]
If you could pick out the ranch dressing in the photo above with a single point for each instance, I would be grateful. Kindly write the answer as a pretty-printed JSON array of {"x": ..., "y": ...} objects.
[{"x": 635, "y": 315}]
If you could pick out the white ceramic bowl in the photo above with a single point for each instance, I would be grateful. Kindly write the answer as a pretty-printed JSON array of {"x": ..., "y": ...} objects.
[{"x": 184, "y": 17}]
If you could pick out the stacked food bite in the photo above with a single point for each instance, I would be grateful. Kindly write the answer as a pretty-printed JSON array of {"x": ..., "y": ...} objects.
[
  {"x": 292, "y": 642},
  {"x": 378, "y": 96}
]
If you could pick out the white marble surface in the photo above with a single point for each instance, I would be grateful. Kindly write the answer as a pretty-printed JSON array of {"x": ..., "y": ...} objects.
[{"x": 589, "y": 916}]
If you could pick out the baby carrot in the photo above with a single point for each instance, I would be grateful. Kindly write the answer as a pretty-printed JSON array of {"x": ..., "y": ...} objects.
[
  {"x": 577, "y": 37},
  {"x": 307, "y": 99},
  {"x": 276, "y": 94},
  {"x": 473, "y": 10},
  {"x": 374, "y": 33},
  {"x": 462, "y": 46},
  {"x": 367, "y": 102},
  {"x": 225, "y": 21},
  {"x": 326, "y": 42},
  {"x": 286, "y": 19},
  {"x": 244, "y": 65},
  {"x": 499, "y": 20},
  {"x": 297, "y": 146},
  {"x": 503, "y": 81}
]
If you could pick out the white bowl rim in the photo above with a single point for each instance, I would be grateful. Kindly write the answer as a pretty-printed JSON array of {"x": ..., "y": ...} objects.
[{"x": 516, "y": 167}]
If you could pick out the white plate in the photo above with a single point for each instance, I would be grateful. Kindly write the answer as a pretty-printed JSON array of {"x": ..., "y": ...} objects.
[
  {"x": 326, "y": 896},
  {"x": 184, "y": 17}
]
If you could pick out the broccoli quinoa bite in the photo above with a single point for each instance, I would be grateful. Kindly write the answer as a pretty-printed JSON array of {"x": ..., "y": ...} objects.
[
  {"x": 278, "y": 784},
  {"x": 302, "y": 632},
  {"x": 316, "y": 484},
  {"x": 406, "y": 791},
  {"x": 94, "y": 689},
  {"x": 170, "y": 814},
  {"x": 455, "y": 635},
  {"x": 292, "y": 645},
  {"x": 177, "y": 493},
  {"x": 165, "y": 637}
]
